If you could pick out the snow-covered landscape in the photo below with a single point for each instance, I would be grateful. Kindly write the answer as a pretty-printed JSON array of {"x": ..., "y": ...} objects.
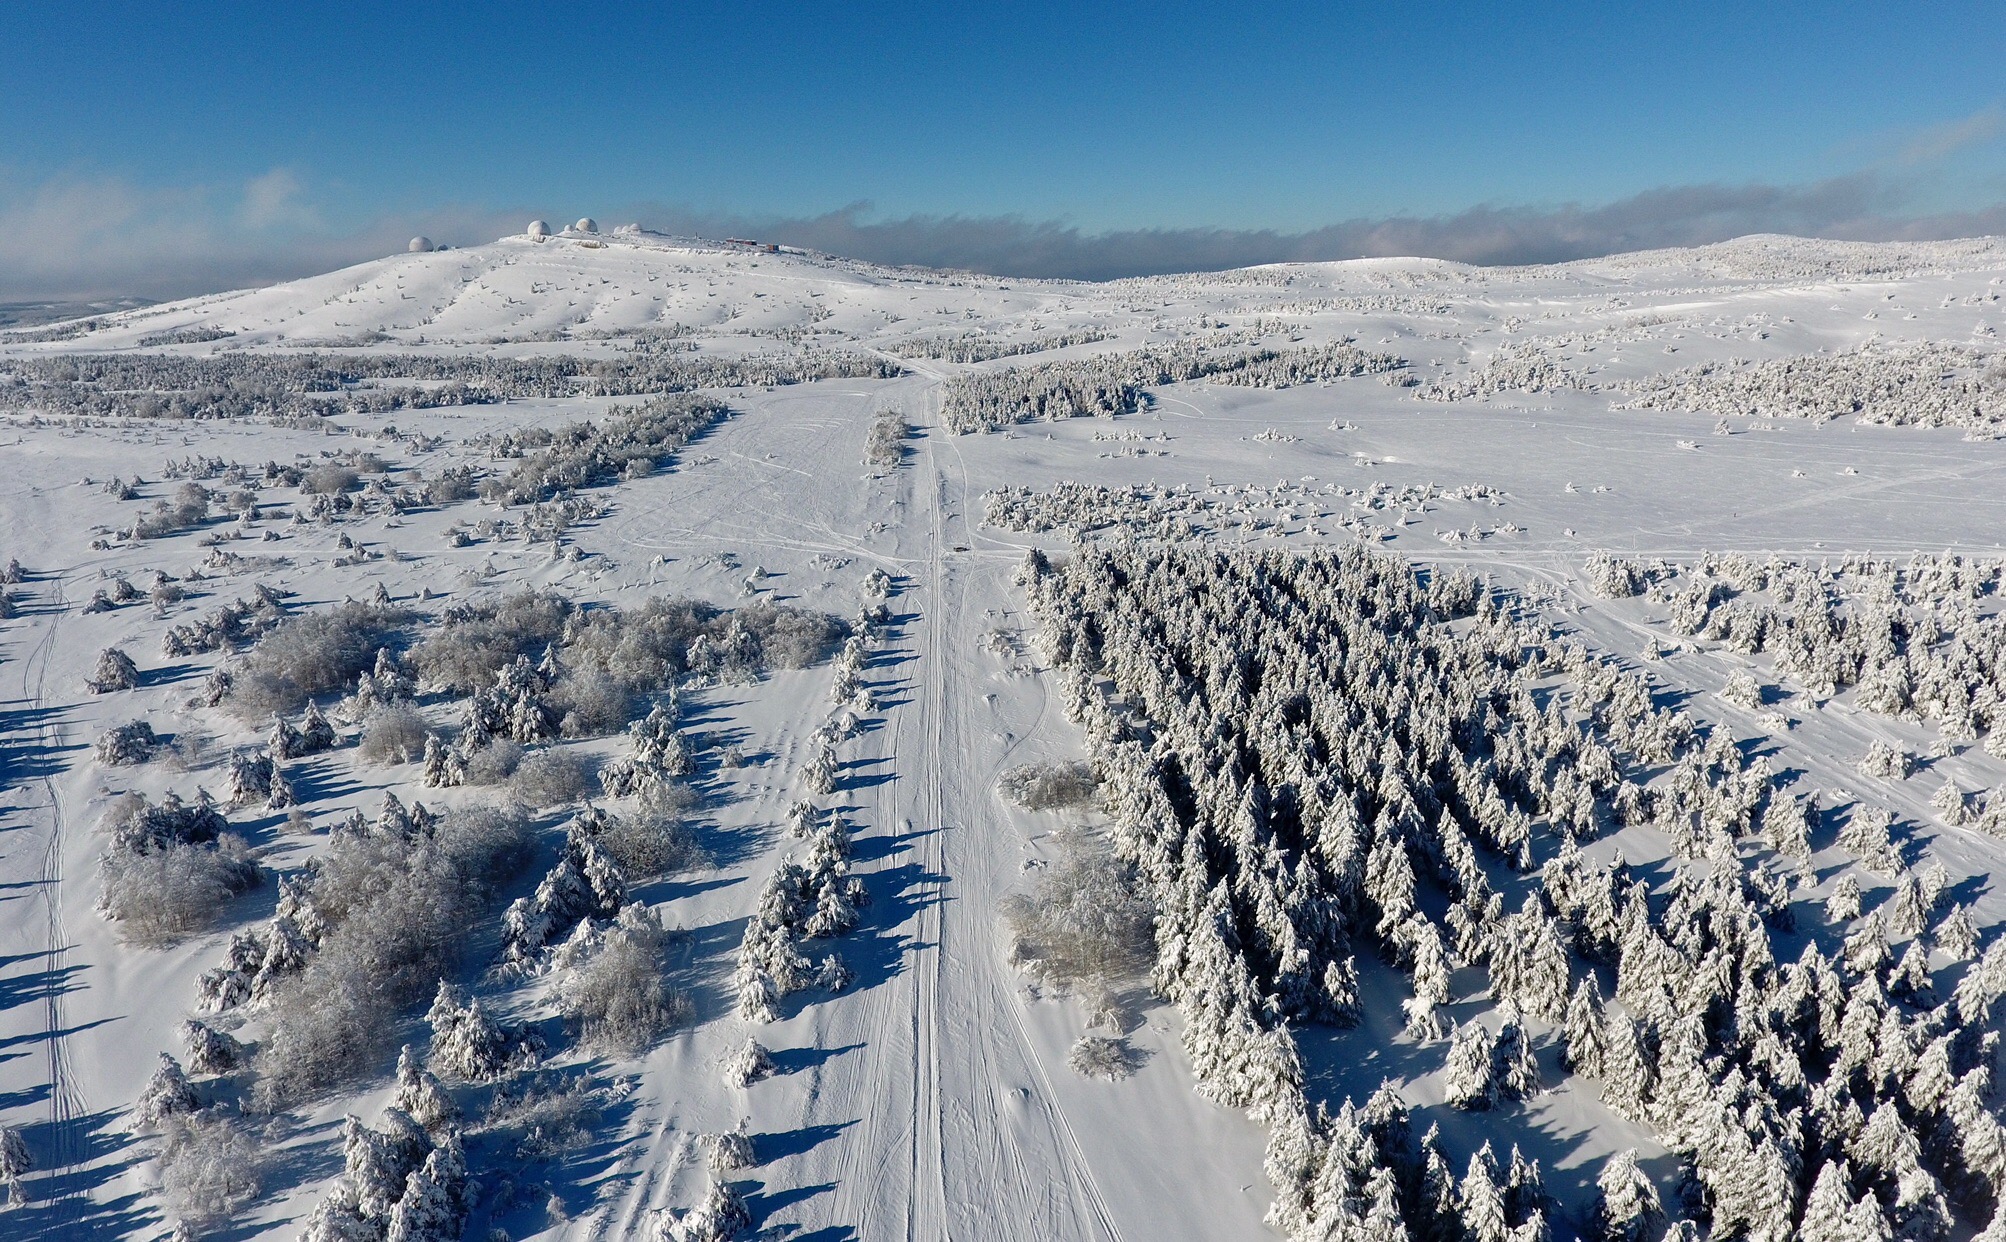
[{"x": 607, "y": 735}]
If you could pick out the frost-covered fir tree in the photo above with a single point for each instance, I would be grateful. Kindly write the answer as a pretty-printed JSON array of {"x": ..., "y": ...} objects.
[
  {"x": 16, "y": 1162},
  {"x": 1626, "y": 1208},
  {"x": 1470, "y": 1078},
  {"x": 749, "y": 1064},
  {"x": 167, "y": 1094}
]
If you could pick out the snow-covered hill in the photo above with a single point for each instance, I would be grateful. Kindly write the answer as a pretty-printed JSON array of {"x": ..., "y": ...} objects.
[{"x": 1704, "y": 471}]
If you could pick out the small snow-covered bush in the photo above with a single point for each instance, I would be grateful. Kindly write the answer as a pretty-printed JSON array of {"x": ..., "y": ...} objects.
[
  {"x": 1886, "y": 762},
  {"x": 394, "y": 733},
  {"x": 1051, "y": 786},
  {"x": 729, "y": 1152},
  {"x": 129, "y": 743},
  {"x": 1743, "y": 690},
  {"x": 652, "y": 841},
  {"x": 1099, "y": 1056},
  {"x": 1085, "y": 921},
  {"x": 167, "y": 1095},
  {"x": 551, "y": 778},
  {"x": 749, "y": 1064},
  {"x": 719, "y": 1217},
  {"x": 210, "y": 1051},
  {"x": 159, "y": 895},
  {"x": 115, "y": 671}
]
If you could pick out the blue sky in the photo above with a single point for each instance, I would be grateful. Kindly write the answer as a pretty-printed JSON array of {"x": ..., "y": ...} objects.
[{"x": 271, "y": 134}]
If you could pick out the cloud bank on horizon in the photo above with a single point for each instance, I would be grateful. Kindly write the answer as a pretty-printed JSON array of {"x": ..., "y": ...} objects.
[{"x": 74, "y": 239}]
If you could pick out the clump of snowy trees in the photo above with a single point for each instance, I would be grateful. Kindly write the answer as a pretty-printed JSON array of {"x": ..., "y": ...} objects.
[
  {"x": 368, "y": 928},
  {"x": 1294, "y": 744},
  {"x": 1928, "y": 384},
  {"x": 1914, "y": 640},
  {"x": 1112, "y": 384},
  {"x": 814, "y": 898},
  {"x": 980, "y": 347},
  {"x": 1527, "y": 367}
]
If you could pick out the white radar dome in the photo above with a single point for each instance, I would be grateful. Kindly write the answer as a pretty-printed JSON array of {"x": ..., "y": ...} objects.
[
  {"x": 587, "y": 225},
  {"x": 537, "y": 228},
  {"x": 420, "y": 245}
]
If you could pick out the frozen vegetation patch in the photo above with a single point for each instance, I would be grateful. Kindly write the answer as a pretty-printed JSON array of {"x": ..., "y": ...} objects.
[
  {"x": 1920, "y": 385},
  {"x": 1051, "y": 786},
  {"x": 1085, "y": 924},
  {"x": 982, "y": 347},
  {"x": 1114, "y": 384},
  {"x": 312, "y": 654},
  {"x": 308, "y": 385},
  {"x": 631, "y": 445}
]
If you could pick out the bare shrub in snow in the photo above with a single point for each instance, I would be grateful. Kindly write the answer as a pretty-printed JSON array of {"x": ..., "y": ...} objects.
[
  {"x": 494, "y": 763},
  {"x": 474, "y": 643},
  {"x": 311, "y": 654},
  {"x": 610, "y": 985},
  {"x": 1051, "y": 786},
  {"x": 159, "y": 895},
  {"x": 1085, "y": 921},
  {"x": 884, "y": 448},
  {"x": 590, "y": 703},
  {"x": 551, "y": 778},
  {"x": 189, "y": 506},
  {"x": 544, "y": 1114},
  {"x": 1099, "y": 1056},
  {"x": 393, "y": 734},
  {"x": 209, "y": 1167},
  {"x": 330, "y": 480},
  {"x": 652, "y": 841}
]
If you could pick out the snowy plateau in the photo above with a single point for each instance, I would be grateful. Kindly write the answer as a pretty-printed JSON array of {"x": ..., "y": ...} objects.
[{"x": 602, "y": 735}]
